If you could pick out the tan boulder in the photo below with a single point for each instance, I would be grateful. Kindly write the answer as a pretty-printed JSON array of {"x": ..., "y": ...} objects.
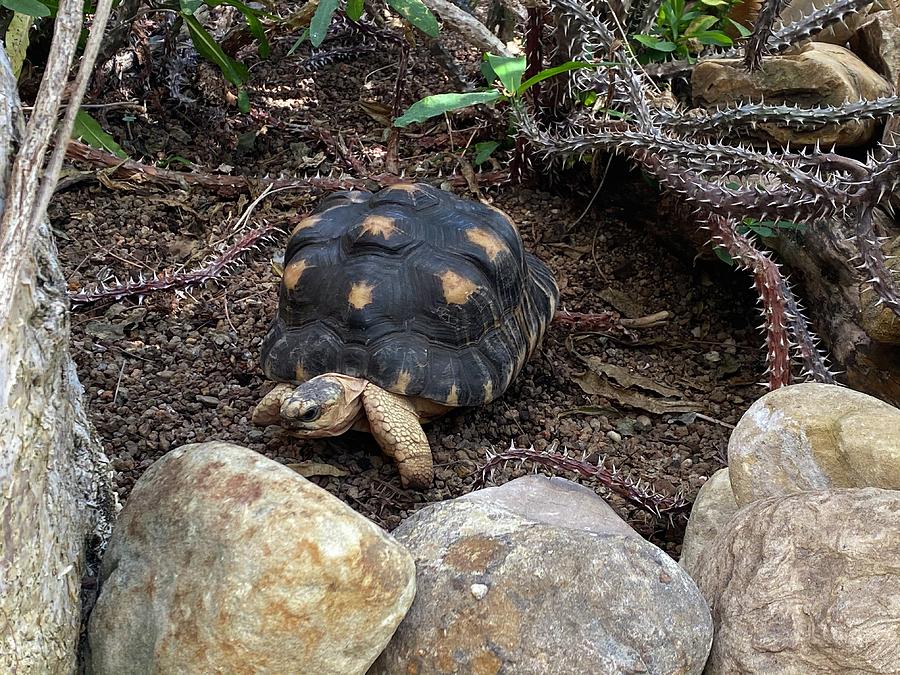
[
  {"x": 814, "y": 437},
  {"x": 877, "y": 42},
  {"x": 224, "y": 561},
  {"x": 820, "y": 74},
  {"x": 808, "y": 583},
  {"x": 712, "y": 509},
  {"x": 837, "y": 33}
]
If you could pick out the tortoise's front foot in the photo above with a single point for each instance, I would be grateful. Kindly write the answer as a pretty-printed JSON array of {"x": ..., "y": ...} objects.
[
  {"x": 268, "y": 411},
  {"x": 398, "y": 430}
]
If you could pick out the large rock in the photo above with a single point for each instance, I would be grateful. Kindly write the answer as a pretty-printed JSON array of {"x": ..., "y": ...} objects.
[
  {"x": 808, "y": 583},
  {"x": 877, "y": 42},
  {"x": 712, "y": 509},
  {"x": 540, "y": 576},
  {"x": 224, "y": 561},
  {"x": 837, "y": 33},
  {"x": 820, "y": 74},
  {"x": 814, "y": 437}
]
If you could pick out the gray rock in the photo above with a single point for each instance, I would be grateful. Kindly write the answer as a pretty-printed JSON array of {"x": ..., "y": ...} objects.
[
  {"x": 877, "y": 42},
  {"x": 224, "y": 561},
  {"x": 539, "y": 577},
  {"x": 819, "y": 74},
  {"x": 814, "y": 437},
  {"x": 713, "y": 508},
  {"x": 808, "y": 583}
]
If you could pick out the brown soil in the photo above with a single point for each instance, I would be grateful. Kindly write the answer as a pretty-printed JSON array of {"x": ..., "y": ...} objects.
[{"x": 184, "y": 369}]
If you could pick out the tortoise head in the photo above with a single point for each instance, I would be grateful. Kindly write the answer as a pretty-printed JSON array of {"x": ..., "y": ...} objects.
[{"x": 326, "y": 405}]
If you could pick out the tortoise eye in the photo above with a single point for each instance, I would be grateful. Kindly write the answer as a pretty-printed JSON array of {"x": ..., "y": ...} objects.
[{"x": 310, "y": 414}]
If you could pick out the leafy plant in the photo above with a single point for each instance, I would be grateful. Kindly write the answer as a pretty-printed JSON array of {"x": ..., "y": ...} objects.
[
  {"x": 234, "y": 71},
  {"x": 505, "y": 75},
  {"x": 27, "y": 7},
  {"x": 413, "y": 11},
  {"x": 683, "y": 29},
  {"x": 88, "y": 129},
  {"x": 761, "y": 228}
]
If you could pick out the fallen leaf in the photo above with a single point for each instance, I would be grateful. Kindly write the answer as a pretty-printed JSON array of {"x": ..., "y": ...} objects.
[
  {"x": 628, "y": 379},
  {"x": 589, "y": 410},
  {"x": 309, "y": 469},
  {"x": 592, "y": 383},
  {"x": 378, "y": 111},
  {"x": 573, "y": 252},
  {"x": 622, "y": 302}
]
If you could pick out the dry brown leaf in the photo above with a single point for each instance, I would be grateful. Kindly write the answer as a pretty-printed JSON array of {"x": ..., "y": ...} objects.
[
  {"x": 627, "y": 379},
  {"x": 622, "y": 302},
  {"x": 592, "y": 383},
  {"x": 309, "y": 469},
  {"x": 378, "y": 111}
]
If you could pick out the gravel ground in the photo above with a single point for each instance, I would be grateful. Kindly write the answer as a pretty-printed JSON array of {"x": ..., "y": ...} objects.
[{"x": 184, "y": 369}]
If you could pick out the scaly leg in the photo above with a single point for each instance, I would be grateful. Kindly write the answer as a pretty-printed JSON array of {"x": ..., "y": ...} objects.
[
  {"x": 268, "y": 411},
  {"x": 395, "y": 425}
]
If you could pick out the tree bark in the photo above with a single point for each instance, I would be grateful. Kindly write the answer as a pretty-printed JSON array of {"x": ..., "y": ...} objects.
[{"x": 55, "y": 495}]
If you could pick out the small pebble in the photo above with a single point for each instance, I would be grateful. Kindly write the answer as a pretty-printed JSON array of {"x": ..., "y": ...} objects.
[
  {"x": 644, "y": 422},
  {"x": 210, "y": 401},
  {"x": 614, "y": 436},
  {"x": 478, "y": 590}
]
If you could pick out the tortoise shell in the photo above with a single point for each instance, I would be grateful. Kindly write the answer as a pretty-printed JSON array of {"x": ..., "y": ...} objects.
[{"x": 412, "y": 288}]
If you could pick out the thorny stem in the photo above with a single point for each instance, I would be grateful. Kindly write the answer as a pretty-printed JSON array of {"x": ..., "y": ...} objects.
[
  {"x": 227, "y": 260},
  {"x": 637, "y": 493},
  {"x": 726, "y": 183},
  {"x": 762, "y": 31},
  {"x": 601, "y": 321},
  {"x": 775, "y": 296},
  {"x": 874, "y": 261}
]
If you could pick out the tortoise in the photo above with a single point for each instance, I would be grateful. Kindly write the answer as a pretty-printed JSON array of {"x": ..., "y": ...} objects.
[{"x": 395, "y": 307}]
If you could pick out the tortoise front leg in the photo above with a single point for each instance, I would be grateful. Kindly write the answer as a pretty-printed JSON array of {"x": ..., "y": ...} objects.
[
  {"x": 268, "y": 411},
  {"x": 395, "y": 425}
]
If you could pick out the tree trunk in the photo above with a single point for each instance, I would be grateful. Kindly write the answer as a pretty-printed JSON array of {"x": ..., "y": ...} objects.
[{"x": 54, "y": 487}]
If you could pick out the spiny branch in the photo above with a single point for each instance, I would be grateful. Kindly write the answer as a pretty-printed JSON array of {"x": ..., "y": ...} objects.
[
  {"x": 638, "y": 493},
  {"x": 227, "y": 260},
  {"x": 232, "y": 185}
]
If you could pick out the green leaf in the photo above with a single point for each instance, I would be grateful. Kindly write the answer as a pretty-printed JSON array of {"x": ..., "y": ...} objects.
[
  {"x": 417, "y": 14},
  {"x": 355, "y": 9},
  {"x": 655, "y": 43},
  {"x": 253, "y": 22},
  {"x": 713, "y": 37},
  {"x": 188, "y": 7},
  {"x": 700, "y": 24},
  {"x": 562, "y": 68},
  {"x": 722, "y": 254},
  {"x": 17, "y": 40},
  {"x": 26, "y": 7},
  {"x": 715, "y": 3},
  {"x": 321, "y": 20},
  {"x": 508, "y": 69},
  {"x": 484, "y": 150},
  {"x": 432, "y": 106},
  {"x": 234, "y": 72},
  {"x": 88, "y": 129},
  {"x": 487, "y": 72},
  {"x": 742, "y": 30},
  {"x": 298, "y": 42},
  {"x": 763, "y": 231},
  {"x": 243, "y": 101}
]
